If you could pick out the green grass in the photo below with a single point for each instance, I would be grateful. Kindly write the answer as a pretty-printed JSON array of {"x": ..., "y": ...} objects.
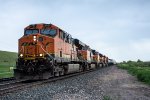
[
  {"x": 140, "y": 69},
  {"x": 106, "y": 98},
  {"x": 7, "y": 63}
]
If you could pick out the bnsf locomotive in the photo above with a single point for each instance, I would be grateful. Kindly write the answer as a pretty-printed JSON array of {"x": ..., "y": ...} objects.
[{"x": 47, "y": 51}]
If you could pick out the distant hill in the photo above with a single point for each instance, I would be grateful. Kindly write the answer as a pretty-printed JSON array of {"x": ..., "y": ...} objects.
[{"x": 8, "y": 58}]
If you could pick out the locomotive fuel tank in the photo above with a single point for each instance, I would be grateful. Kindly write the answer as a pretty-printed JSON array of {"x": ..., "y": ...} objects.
[{"x": 73, "y": 68}]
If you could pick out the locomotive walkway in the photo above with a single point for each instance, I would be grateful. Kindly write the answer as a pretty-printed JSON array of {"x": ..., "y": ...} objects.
[{"x": 107, "y": 83}]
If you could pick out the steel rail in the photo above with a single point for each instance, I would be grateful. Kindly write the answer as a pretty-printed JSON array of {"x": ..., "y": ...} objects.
[{"x": 21, "y": 86}]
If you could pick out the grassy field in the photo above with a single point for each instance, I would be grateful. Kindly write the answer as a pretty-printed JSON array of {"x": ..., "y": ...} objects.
[
  {"x": 7, "y": 63},
  {"x": 140, "y": 69}
]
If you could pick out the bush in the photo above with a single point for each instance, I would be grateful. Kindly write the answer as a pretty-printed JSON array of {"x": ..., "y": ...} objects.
[{"x": 144, "y": 76}]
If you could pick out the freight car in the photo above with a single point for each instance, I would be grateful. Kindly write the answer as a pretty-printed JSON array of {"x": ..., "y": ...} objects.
[{"x": 47, "y": 51}]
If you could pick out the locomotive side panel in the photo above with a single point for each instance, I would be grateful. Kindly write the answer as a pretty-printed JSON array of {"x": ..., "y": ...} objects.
[{"x": 63, "y": 46}]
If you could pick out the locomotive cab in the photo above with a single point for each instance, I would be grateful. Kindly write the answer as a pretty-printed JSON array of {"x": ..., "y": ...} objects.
[
  {"x": 35, "y": 52},
  {"x": 37, "y": 42}
]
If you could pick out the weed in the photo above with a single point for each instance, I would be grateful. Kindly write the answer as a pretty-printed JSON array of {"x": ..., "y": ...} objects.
[{"x": 106, "y": 98}]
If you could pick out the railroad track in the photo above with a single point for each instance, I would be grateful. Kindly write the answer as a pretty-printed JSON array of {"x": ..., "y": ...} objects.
[
  {"x": 6, "y": 84},
  {"x": 15, "y": 86},
  {"x": 6, "y": 80}
]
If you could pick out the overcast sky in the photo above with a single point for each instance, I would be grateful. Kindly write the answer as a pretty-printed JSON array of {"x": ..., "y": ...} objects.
[{"x": 119, "y": 29}]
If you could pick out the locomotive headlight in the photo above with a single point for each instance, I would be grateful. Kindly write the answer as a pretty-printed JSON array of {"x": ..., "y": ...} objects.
[
  {"x": 34, "y": 38},
  {"x": 41, "y": 55},
  {"x": 21, "y": 55}
]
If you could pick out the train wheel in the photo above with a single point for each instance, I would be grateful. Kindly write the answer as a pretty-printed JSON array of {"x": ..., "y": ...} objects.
[
  {"x": 84, "y": 67},
  {"x": 56, "y": 74},
  {"x": 65, "y": 69},
  {"x": 61, "y": 72},
  {"x": 87, "y": 67},
  {"x": 81, "y": 68}
]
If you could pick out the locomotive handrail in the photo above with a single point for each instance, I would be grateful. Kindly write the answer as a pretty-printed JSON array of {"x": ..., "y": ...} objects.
[{"x": 46, "y": 52}]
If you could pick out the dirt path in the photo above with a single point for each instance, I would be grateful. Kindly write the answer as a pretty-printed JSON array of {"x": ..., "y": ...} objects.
[{"x": 119, "y": 85}]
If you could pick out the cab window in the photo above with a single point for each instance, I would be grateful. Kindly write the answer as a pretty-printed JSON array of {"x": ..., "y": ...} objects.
[
  {"x": 50, "y": 32},
  {"x": 31, "y": 31}
]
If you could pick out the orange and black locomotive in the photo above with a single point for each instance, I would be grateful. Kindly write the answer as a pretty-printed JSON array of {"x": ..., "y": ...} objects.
[{"x": 47, "y": 51}]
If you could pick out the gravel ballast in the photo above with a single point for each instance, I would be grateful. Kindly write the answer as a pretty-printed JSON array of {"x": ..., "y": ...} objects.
[{"x": 106, "y": 83}]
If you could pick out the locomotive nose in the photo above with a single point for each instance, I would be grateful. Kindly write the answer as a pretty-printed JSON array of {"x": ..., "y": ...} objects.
[{"x": 29, "y": 47}]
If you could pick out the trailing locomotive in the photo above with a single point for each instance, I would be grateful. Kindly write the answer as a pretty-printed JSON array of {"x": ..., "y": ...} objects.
[{"x": 47, "y": 51}]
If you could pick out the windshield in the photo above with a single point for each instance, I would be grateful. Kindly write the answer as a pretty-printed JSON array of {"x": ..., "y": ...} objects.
[
  {"x": 31, "y": 31},
  {"x": 51, "y": 32}
]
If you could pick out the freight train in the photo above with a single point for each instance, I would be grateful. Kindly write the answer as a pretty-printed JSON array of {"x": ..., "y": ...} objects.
[{"x": 46, "y": 51}]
